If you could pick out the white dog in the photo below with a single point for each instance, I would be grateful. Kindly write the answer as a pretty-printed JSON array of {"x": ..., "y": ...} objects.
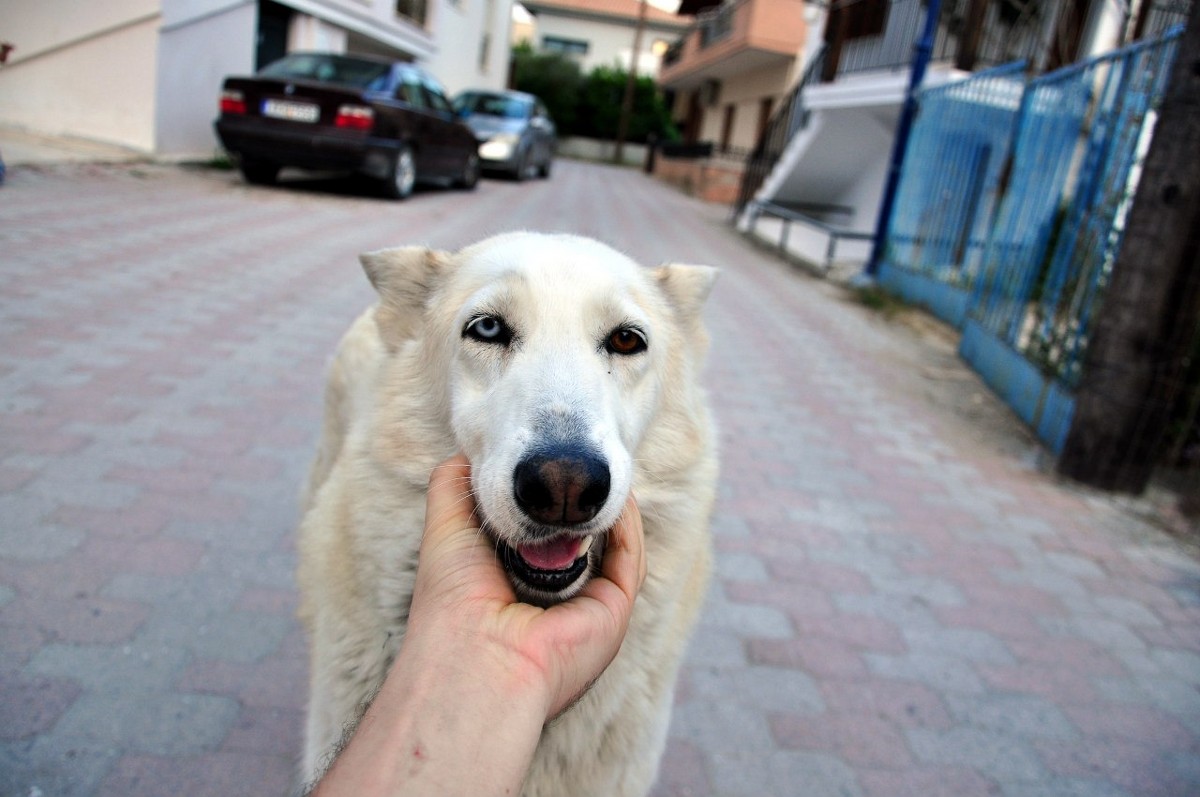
[{"x": 568, "y": 376}]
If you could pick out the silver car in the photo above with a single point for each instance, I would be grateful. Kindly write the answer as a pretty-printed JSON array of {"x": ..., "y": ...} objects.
[{"x": 516, "y": 134}]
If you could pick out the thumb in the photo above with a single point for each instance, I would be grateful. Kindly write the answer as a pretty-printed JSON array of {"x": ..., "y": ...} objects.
[{"x": 449, "y": 504}]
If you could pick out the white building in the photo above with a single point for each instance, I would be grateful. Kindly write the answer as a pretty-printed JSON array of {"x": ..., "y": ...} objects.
[
  {"x": 601, "y": 32},
  {"x": 145, "y": 74}
]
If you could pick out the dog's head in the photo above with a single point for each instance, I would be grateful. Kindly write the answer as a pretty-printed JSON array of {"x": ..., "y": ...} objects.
[{"x": 553, "y": 355}]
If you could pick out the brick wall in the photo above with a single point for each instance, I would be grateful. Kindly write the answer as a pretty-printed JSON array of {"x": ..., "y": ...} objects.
[{"x": 710, "y": 180}]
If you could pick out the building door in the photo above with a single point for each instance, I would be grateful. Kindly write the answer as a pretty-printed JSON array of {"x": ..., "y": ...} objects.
[
  {"x": 765, "y": 106},
  {"x": 273, "y": 21},
  {"x": 695, "y": 118},
  {"x": 727, "y": 126}
]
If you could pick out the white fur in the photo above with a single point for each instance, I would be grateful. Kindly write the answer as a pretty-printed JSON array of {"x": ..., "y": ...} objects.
[{"x": 408, "y": 389}]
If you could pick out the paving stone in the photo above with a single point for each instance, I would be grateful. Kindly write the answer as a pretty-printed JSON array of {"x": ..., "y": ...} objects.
[
  {"x": 114, "y": 669},
  {"x": 761, "y": 688},
  {"x": 901, "y": 604},
  {"x": 1002, "y": 757},
  {"x": 48, "y": 765},
  {"x": 1025, "y": 716},
  {"x": 163, "y": 724},
  {"x": 945, "y": 673},
  {"x": 780, "y": 774}
]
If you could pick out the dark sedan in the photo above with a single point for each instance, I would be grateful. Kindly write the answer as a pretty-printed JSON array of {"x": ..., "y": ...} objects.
[
  {"x": 320, "y": 111},
  {"x": 516, "y": 134}
]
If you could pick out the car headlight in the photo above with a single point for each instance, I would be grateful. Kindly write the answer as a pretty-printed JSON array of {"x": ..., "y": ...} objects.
[{"x": 499, "y": 147}]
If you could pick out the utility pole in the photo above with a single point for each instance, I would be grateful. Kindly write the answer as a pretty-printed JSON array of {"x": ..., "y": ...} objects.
[
  {"x": 923, "y": 52},
  {"x": 630, "y": 85},
  {"x": 1138, "y": 355}
]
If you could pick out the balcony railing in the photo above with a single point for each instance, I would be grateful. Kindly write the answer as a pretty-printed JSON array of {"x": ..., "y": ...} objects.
[
  {"x": 766, "y": 28},
  {"x": 717, "y": 24},
  {"x": 1006, "y": 31}
]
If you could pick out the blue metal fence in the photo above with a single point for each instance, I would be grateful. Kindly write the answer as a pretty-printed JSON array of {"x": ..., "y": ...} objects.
[
  {"x": 1011, "y": 208},
  {"x": 952, "y": 180}
]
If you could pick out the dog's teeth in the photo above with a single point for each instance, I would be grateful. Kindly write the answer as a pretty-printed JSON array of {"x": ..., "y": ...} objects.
[{"x": 586, "y": 545}]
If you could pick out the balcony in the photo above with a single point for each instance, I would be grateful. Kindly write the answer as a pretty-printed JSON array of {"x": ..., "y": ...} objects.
[{"x": 737, "y": 37}]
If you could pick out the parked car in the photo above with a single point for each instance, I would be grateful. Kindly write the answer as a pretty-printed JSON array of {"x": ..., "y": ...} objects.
[
  {"x": 390, "y": 121},
  {"x": 515, "y": 131}
]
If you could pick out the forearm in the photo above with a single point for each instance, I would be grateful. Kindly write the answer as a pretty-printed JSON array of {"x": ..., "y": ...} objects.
[{"x": 442, "y": 725}]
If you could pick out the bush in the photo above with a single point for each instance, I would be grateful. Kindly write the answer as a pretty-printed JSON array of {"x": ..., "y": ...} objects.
[
  {"x": 590, "y": 106},
  {"x": 600, "y": 107},
  {"x": 553, "y": 78}
]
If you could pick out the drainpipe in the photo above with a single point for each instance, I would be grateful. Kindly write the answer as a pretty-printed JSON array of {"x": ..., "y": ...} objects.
[{"x": 923, "y": 52}]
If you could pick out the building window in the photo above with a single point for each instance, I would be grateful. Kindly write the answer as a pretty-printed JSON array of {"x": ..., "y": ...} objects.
[
  {"x": 485, "y": 52},
  {"x": 865, "y": 18},
  {"x": 412, "y": 9},
  {"x": 727, "y": 126},
  {"x": 554, "y": 44}
]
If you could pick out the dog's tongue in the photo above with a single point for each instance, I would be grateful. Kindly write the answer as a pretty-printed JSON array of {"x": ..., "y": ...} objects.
[{"x": 557, "y": 554}]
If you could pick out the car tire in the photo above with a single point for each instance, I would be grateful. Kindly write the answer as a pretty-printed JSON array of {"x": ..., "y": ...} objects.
[
  {"x": 470, "y": 174},
  {"x": 544, "y": 170},
  {"x": 259, "y": 172},
  {"x": 521, "y": 172},
  {"x": 402, "y": 174}
]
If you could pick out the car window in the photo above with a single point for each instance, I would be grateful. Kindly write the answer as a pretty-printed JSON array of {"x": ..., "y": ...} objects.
[
  {"x": 410, "y": 91},
  {"x": 370, "y": 75},
  {"x": 435, "y": 96},
  {"x": 494, "y": 105}
]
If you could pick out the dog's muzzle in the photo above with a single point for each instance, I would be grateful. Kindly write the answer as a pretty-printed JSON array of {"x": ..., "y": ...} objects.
[{"x": 560, "y": 491}]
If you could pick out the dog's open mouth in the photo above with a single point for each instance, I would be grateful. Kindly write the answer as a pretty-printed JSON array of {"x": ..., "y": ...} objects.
[{"x": 549, "y": 571}]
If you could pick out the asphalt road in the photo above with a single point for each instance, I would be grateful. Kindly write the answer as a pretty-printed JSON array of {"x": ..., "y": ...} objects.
[{"x": 904, "y": 603}]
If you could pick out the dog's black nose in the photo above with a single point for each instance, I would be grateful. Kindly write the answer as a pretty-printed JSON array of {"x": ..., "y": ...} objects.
[{"x": 561, "y": 488}]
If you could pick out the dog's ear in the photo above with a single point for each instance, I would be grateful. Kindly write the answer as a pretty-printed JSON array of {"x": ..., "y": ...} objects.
[
  {"x": 686, "y": 286},
  {"x": 404, "y": 277}
]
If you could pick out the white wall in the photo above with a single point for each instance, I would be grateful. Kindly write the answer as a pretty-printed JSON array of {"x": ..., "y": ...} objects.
[
  {"x": 191, "y": 69},
  {"x": 462, "y": 59},
  {"x": 86, "y": 73},
  {"x": 745, "y": 91},
  {"x": 844, "y": 165},
  {"x": 610, "y": 44}
]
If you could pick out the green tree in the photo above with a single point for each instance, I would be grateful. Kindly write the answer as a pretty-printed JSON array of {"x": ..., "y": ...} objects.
[
  {"x": 553, "y": 78},
  {"x": 590, "y": 106},
  {"x": 600, "y": 107}
]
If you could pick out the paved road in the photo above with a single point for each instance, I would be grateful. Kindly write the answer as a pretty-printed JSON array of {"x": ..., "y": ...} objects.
[{"x": 904, "y": 603}]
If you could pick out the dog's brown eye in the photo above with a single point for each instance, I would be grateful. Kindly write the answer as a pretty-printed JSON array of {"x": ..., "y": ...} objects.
[{"x": 625, "y": 340}]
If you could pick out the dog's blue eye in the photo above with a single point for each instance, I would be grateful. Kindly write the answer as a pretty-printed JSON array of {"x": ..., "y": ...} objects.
[
  {"x": 489, "y": 329},
  {"x": 625, "y": 340}
]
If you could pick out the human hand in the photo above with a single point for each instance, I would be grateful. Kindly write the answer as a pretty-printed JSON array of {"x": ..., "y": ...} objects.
[
  {"x": 463, "y": 604},
  {"x": 478, "y": 673}
]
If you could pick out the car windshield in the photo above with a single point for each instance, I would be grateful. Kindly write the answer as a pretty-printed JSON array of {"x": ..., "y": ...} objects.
[
  {"x": 363, "y": 74},
  {"x": 493, "y": 105}
]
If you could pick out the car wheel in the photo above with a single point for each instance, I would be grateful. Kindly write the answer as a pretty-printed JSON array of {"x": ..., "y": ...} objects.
[
  {"x": 402, "y": 175},
  {"x": 258, "y": 172},
  {"x": 522, "y": 169},
  {"x": 544, "y": 170},
  {"x": 470, "y": 174}
]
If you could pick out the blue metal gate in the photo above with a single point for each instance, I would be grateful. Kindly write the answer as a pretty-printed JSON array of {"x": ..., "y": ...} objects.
[{"x": 1010, "y": 212}]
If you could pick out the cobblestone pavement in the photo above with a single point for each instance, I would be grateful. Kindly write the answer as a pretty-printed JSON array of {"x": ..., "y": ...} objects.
[{"x": 904, "y": 604}]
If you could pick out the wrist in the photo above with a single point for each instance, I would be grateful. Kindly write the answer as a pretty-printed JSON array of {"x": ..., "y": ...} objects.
[{"x": 452, "y": 718}]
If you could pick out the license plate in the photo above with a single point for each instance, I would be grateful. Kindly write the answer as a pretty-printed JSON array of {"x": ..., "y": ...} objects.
[{"x": 292, "y": 111}]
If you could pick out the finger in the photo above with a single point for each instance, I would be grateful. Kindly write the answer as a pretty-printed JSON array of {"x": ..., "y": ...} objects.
[
  {"x": 455, "y": 559},
  {"x": 449, "y": 504},
  {"x": 625, "y": 554}
]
